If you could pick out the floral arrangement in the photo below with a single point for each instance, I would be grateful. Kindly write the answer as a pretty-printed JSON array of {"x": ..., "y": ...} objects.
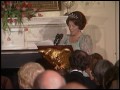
[{"x": 14, "y": 11}]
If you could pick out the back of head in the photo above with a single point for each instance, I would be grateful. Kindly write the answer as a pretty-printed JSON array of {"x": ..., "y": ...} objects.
[
  {"x": 79, "y": 60},
  {"x": 74, "y": 85},
  {"x": 95, "y": 57},
  {"x": 78, "y": 18},
  {"x": 49, "y": 80},
  {"x": 111, "y": 77},
  {"x": 100, "y": 68},
  {"x": 27, "y": 74}
]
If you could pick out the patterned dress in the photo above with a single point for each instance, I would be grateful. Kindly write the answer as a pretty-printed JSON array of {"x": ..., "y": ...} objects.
[{"x": 84, "y": 43}]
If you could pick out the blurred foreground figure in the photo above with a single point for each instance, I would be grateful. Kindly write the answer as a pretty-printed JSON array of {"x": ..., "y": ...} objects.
[
  {"x": 99, "y": 71},
  {"x": 49, "y": 79},
  {"x": 74, "y": 85},
  {"x": 6, "y": 83},
  {"x": 27, "y": 74},
  {"x": 111, "y": 77}
]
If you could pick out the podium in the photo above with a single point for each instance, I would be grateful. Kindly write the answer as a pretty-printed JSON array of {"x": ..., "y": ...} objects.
[{"x": 57, "y": 55}]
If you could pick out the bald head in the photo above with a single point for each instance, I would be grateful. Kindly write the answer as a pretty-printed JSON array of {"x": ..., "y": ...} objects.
[
  {"x": 73, "y": 85},
  {"x": 49, "y": 79}
]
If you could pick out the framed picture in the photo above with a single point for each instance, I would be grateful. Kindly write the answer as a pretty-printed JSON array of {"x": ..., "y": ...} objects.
[{"x": 47, "y": 5}]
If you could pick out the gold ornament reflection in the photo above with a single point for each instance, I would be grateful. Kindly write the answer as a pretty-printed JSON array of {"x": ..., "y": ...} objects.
[{"x": 58, "y": 58}]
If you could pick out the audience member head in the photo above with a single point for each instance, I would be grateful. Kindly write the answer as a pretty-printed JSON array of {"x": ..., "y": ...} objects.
[
  {"x": 49, "y": 79},
  {"x": 95, "y": 57},
  {"x": 79, "y": 60},
  {"x": 74, "y": 85},
  {"x": 111, "y": 77},
  {"x": 27, "y": 74},
  {"x": 99, "y": 70}
]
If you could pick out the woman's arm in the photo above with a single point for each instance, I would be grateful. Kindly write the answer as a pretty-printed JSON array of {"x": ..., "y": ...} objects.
[{"x": 86, "y": 44}]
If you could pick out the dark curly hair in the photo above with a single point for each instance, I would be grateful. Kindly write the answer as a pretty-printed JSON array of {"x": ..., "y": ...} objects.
[
  {"x": 79, "y": 60},
  {"x": 78, "y": 18}
]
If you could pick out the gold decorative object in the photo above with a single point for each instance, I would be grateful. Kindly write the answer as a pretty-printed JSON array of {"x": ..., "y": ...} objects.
[{"x": 58, "y": 58}]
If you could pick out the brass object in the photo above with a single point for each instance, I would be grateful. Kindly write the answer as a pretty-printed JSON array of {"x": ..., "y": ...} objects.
[{"x": 58, "y": 58}]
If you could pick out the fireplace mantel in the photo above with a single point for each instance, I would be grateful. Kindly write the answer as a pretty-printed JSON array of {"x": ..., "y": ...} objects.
[
  {"x": 39, "y": 29},
  {"x": 46, "y": 20}
]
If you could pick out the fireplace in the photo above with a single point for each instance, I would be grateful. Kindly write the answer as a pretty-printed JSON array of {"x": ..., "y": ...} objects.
[
  {"x": 21, "y": 47},
  {"x": 34, "y": 31}
]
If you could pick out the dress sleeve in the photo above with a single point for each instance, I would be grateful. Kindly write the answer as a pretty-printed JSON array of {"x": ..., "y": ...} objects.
[{"x": 86, "y": 44}]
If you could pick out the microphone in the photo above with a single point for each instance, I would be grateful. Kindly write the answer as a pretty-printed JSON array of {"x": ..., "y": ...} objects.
[{"x": 58, "y": 39}]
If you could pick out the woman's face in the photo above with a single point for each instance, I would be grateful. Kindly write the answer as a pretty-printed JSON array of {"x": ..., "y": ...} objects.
[{"x": 74, "y": 29}]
